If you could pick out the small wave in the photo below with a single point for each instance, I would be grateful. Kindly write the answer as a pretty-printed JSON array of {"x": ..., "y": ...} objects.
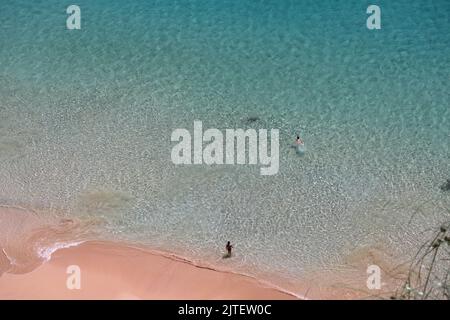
[
  {"x": 46, "y": 252},
  {"x": 11, "y": 260}
]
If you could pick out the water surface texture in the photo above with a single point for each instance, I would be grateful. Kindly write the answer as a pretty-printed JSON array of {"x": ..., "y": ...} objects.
[{"x": 86, "y": 119}]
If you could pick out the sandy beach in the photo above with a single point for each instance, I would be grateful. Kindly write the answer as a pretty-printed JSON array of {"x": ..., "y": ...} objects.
[
  {"x": 38, "y": 255},
  {"x": 116, "y": 271}
]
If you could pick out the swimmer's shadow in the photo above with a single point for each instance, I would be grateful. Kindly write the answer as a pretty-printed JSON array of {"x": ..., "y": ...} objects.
[{"x": 226, "y": 256}]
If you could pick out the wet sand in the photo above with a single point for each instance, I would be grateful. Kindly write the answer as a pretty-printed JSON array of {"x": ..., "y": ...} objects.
[
  {"x": 117, "y": 271},
  {"x": 36, "y": 252}
]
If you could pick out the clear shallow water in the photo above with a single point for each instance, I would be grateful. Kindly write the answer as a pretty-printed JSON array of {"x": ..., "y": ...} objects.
[{"x": 86, "y": 118}]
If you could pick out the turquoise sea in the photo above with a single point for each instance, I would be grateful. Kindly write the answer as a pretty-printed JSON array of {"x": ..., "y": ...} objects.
[{"x": 86, "y": 119}]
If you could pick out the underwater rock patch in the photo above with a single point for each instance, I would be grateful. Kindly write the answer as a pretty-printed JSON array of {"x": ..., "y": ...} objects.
[
  {"x": 252, "y": 119},
  {"x": 446, "y": 186}
]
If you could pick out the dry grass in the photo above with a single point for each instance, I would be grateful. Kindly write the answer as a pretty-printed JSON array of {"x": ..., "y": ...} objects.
[{"x": 429, "y": 272}]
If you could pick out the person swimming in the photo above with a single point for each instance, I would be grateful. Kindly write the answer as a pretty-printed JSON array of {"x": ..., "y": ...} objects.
[{"x": 299, "y": 141}]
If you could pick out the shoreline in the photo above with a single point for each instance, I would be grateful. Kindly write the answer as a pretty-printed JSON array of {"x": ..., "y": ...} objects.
[
  {"x": 110, "y": 270},
  {"x": 35, "y": 255}
]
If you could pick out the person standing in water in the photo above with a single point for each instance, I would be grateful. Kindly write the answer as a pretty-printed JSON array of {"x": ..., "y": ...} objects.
[
  {"x": 299, "y": 146},
  {"x": 228, "y": 247}
]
